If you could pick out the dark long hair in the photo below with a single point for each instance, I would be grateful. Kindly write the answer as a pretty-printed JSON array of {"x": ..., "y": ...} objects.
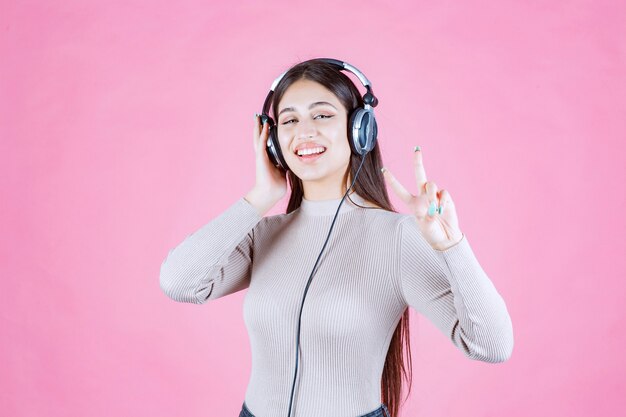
[{"x": 370, "y": 184}]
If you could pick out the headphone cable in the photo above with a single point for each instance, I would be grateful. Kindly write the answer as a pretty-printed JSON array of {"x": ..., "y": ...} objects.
[{"x": 311, "y": 276}]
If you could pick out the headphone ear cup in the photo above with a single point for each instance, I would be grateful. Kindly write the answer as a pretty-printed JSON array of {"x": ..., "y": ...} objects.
[
  {"x": 374, "y": 131},
  {"x": 353, "y": 135},
  {"x": 273, "y": 148},
  {"x": 363, "y": 131}
]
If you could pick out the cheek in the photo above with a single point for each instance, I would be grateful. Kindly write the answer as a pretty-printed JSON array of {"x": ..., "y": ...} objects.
[
  {"x": 347, "y": 152},
  {"x": 342, "y": 143},
  {"x": 284, "y": 147},
  {"x": 282, "y": 141}
]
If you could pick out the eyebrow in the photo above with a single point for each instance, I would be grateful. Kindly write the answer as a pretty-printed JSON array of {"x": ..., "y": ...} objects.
[{"x": 317, "y": 103}]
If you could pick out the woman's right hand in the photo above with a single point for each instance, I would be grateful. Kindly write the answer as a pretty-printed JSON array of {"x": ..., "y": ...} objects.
[{"x": 271, "y": 182}]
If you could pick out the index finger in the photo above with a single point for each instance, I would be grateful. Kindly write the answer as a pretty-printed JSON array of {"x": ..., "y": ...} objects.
[
  {"x": 257, "y": 125},
  {"x": 420, "y": 173},
  {"x": 260, "y": 130}
]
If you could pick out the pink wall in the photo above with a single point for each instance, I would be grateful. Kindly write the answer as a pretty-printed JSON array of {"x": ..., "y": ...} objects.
[{"x": 126, "y": 125}]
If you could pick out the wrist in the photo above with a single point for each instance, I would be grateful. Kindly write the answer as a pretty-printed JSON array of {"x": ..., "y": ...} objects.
[
  {"x": 447, "y": 245},
  {"x": 257, "y": 198}
]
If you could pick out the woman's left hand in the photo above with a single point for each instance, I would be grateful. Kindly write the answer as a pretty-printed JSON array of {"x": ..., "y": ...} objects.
[{"x": 434, "y": 210}]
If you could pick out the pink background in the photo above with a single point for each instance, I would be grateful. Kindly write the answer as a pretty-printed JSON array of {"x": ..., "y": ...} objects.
[{"x": 126, "y": 125}]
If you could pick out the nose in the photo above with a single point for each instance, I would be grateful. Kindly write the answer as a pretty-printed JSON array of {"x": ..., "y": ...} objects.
[{"x": 306, "y": 129}]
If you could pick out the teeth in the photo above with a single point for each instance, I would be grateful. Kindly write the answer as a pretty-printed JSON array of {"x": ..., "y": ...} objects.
[{"x": 310, "y": 151}]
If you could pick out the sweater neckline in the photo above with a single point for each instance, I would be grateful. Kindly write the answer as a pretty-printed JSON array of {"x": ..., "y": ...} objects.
[{"x": 329, "y": 207}]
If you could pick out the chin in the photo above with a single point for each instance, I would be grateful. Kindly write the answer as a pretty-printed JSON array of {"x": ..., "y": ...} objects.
[
  {"x": 318, "y": 173},
  {"x": 309, "y": 175}
]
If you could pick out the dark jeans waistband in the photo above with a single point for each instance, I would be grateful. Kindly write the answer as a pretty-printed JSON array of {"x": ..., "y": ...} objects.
[{"x": 381, "y": 411}]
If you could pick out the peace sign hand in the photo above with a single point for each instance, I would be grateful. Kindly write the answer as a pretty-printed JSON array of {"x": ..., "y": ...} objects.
[{"x": 434, "y": 210}]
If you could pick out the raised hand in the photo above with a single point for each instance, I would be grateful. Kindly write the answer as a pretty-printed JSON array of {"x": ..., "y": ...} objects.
[
  {"x": 271, "y": 183},
  {"x": 268, "y": 177},
  {"x": 433, "y": 209}
]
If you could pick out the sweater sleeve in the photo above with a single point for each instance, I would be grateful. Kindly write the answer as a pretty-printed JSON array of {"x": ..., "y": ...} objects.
[
  {"x": 215, "y": 260},
  {"x": 451, "y": 289}
]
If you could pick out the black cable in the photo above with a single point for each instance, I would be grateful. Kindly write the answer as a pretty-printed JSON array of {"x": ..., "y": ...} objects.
[{"x": 311, "y": 276}]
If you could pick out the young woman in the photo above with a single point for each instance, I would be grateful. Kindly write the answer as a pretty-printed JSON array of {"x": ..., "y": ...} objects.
[{"x": 339, "y": 317}]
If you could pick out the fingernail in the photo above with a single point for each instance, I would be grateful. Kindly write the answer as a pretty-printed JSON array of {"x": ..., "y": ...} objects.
[
  {"x": 431, "y": 209},
  {"x": 440, "y": 209},
  {"x": 417, "y": 148},
  {"x": 383, "y": 169}
]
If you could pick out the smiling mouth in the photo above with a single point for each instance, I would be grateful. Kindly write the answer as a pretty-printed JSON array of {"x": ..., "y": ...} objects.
[
  {"x": 309, "y": 157},
  {"x": 310, "y": 152}
]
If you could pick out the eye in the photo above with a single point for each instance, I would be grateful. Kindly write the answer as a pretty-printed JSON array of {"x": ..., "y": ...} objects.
[{"x": 325, "y": 116}]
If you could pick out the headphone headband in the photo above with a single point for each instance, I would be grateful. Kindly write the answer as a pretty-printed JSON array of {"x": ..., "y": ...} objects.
[{"x": 340, "y": 64}]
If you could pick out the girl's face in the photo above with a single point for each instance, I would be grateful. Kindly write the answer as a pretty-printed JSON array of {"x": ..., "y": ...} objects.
[{"x": 311, "y": 116}]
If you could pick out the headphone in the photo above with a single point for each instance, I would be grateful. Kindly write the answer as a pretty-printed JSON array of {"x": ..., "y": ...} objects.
[
  {"x": 362, "y": 127},
  {"x": 362, "y": 133}
]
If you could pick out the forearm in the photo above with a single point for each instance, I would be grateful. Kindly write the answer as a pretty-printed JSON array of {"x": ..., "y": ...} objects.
[{"x": 212, "y": 261}]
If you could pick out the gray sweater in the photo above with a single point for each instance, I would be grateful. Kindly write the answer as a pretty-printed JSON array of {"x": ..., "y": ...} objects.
[{"x": 376, "y": 263}]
